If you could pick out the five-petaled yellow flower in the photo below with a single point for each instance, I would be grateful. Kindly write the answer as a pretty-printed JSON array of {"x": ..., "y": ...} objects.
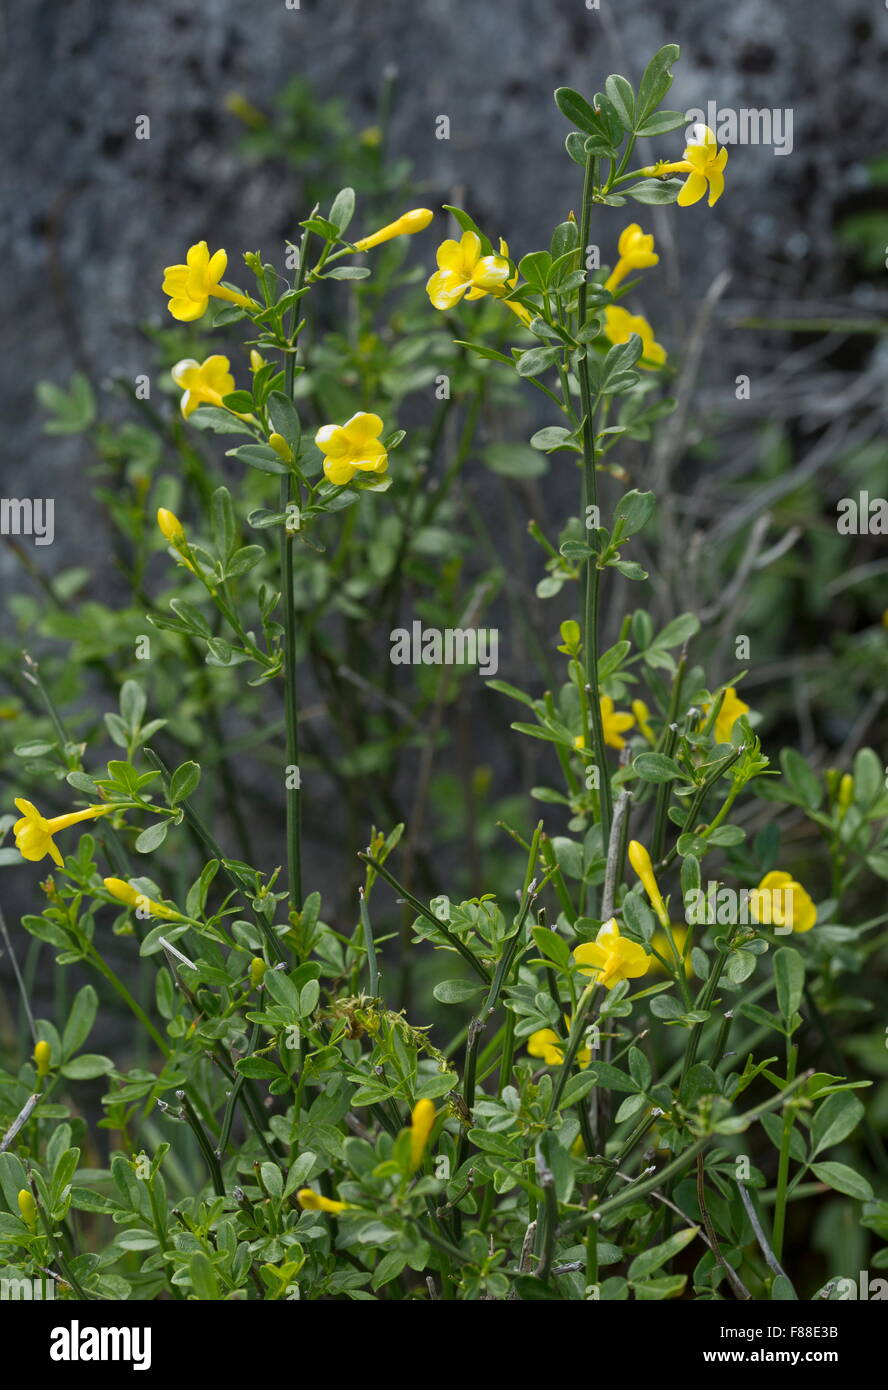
[
  {"x": 781, "y": 901},
  {"x": 731, "y": 710},
  {"x": 636, "y": 250},
  {"x": 34, "y": 833},
  {"x": 704, "y": 162},
  {"x": 547, "y": 1044},
  {"x": 125, "y": 893},
  {"x": 309, "y": 1200},
  {"x": 612, "y": 957},
  {"x": 351, "y": 447},
  {"x": 414, "y": 221},
  {"x": 462, "y": 270},
  {"x": 191, "y": 285},
  {"x": 619, "y": 325},
  {"x": 422, "y": 1119},
  {"x": 615, "y": 724},
  {"x": 203, "y": 383}
]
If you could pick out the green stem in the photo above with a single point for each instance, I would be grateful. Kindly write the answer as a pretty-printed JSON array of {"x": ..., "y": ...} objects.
[{"x": 792, "y": 1053}]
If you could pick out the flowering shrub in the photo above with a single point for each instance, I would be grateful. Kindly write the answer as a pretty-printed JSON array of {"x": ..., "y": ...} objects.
[{"x": 630, "y": 1097}]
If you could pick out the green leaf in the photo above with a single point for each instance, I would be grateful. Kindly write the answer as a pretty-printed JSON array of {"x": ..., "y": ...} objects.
[
  {"x": 87, "y": 1066},
  {"x": 656, "y": 767},
  {"x": 661, "y": 123},
  {"x": 550, "y": 944},
  {"x": 577, "y": 110},
  {"x": 152, "y": 838},
  {"x": 347, "y": 272},
  {"x": 184, "y": 782},
  {"x": 650, "y": 1260},
  {"x": 537, "y": 360},
  {"x": 455, "y": 991},
  {"x": 656, "y": 81},
  {"x": 655, "y": 191},
  {"x": 241, "y": 402},
  {"x": 669, "y": 1286},
  {"x": 789, "y": 978},
  {"x": 80, "y": 1020},
  {"x": 843, "y": 1179},
  {"x": 836, "y": 1118},
  {"x": 869, "y": 778},
  {"x": 342, "y": 211},
  {"x": 553, "y": 437},
  {"x": 801, "y": 778},
  {"x": 259, "y": 456},
  {"x": 622, "y": 99},
  {"x": 285, "y": 419},
  {"x": 203, "y": 1277},
  {"x": 635, "y": 510}
]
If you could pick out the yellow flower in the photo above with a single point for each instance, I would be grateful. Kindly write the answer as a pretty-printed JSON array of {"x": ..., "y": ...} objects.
[
  {"x": 415, "y": 221},
  {"x": 422, "y": 1119},
  {"x": 462, "y": 270},
  {"x": 619, "y": 325},
  {"x": 125, "y": 893},
  {"x": 705, "y": 163},
  {"x": 28, "y": 1208},
  {"x": 642, "y": 717},
  {"x": 730, "y": 712},
  {"x": 34, "y": 833},
  {"x": 309, "y": 1200},
  {"x": 614, "y": 723},
  {"x": 781, "y": 901},
  {"x": 191, "y": 285},
  {"x": 203, "y": 383},
  {"x": 660, "y": 942},
  {"x": 546, "y": 1043},
  {"x": 42, "y": 1057},
  {"x": 170, "y": 526},
  {"x": 636, "y": 250},
  {"x": 641, "y": 863},
  {"x": 611, "y": 957},
  {"x": 352, "y": 446}
]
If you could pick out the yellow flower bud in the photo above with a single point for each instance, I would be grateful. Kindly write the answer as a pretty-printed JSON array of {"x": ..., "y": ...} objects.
[
  {"x": 42, "y": 1057},
  {"x": 422, "y": 1120},
  {"x": 414, "y": 221},
  {"x": 125, "y": 893},
  {"x": 257, "y": 361},
  {"x": 258, "y": 968},
  {"x": 171, "y": 527},
  {"x": 28, "y": 1208},
  {"x": 641, "y": 863},
  {"x": 846, "y": 792},
  {"x": 281, "y": 447},
  {"x": 309, "y": 1200}
]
